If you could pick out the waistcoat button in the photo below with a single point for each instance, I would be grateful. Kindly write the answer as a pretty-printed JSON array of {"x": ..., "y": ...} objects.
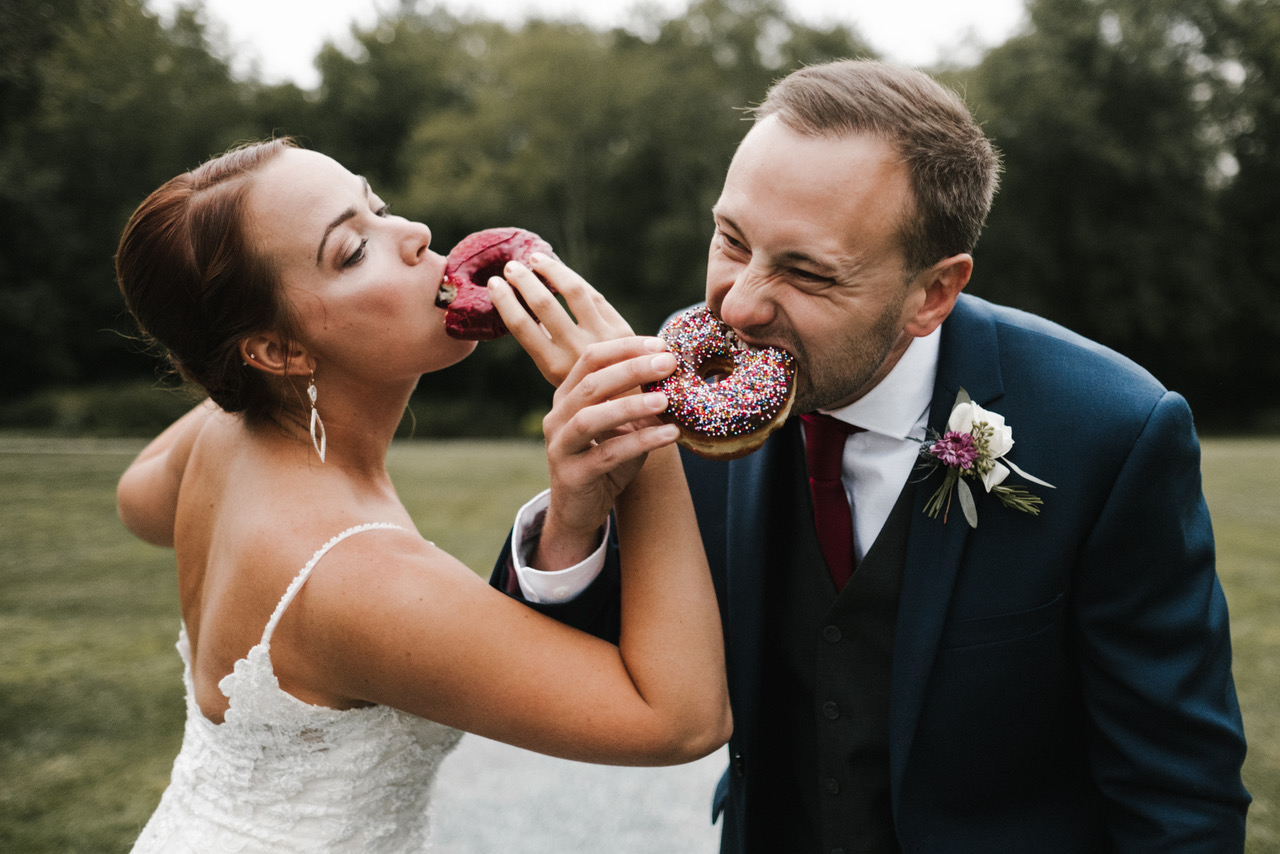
[
  {"x": 831, "y": 710},
  {"x": 831, "y": 634},
  {"x": 831, "y": 785}
]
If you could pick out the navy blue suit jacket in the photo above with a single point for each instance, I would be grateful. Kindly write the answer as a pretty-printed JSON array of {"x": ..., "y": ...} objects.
[{"x": 1061, "y": 682}]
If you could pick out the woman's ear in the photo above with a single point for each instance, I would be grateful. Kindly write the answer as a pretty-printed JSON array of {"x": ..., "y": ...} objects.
[
  {"x": 940, "y": 286},
  {"x": 267, "y": 352}
]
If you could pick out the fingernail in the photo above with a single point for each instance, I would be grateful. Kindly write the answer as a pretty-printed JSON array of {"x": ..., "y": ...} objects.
[
  {"x": 497, "y": 282},
  {"x": 655, "y": 400},
  {"x": 537, "y": 258},
  {"x": 663, "y": 362},
  {"x": 513, "y": 267},
  {"x": 655, "y": 345}
]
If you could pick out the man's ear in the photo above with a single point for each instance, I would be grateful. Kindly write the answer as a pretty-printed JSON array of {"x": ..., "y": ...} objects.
[
  {"x": 939, "y": 286},
  {"x": 267, "y": 352}
]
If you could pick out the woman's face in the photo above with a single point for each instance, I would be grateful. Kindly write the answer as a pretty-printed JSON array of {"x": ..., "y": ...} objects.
[{"x": 361, "y": 283}]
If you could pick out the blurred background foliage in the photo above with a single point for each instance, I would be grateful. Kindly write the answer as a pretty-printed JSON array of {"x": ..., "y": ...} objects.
[{"x": 1141, "y": 141}]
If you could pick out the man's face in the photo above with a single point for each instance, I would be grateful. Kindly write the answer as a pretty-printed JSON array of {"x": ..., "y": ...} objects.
[{"x": 806, "y": 257}]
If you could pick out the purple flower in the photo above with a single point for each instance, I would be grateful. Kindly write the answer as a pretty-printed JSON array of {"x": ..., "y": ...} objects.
[{"x": 955, "y": 450}]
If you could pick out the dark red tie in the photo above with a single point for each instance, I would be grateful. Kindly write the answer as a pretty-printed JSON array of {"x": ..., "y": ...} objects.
[{"x": 824, "y": 439}]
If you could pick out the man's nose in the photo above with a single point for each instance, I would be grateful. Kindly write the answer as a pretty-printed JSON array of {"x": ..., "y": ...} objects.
[{"x": 744, "y": 303}]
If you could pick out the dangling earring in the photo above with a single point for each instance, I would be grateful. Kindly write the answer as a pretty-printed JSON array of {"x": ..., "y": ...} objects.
[{"x": 318, "y": 437}]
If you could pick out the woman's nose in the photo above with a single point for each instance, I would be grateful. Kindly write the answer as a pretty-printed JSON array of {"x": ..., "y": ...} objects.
[{"x": 415, "y": 241}]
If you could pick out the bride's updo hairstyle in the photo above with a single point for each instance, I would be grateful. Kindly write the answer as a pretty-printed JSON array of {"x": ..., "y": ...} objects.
[{"x": 196, "y": 284}]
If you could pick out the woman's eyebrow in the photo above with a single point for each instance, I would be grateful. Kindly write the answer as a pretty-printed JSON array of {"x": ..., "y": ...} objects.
[{"x": 339, "y": 220}]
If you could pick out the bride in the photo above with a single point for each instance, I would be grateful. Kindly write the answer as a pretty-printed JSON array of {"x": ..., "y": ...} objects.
[{"x": 332, "y": 653}]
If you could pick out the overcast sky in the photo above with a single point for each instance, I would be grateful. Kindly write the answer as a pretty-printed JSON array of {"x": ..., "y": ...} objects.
[{"x": 283, "y": 36}]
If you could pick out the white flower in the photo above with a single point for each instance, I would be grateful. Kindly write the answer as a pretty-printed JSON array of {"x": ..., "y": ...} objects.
[
  {"x": 975, "y": 446},
  {"x": 995, "y": 477},
  {"x": 968, "y": 415}
]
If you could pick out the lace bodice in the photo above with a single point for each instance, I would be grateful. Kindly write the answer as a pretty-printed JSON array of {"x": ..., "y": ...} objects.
[{"x": 281, "y": 775}]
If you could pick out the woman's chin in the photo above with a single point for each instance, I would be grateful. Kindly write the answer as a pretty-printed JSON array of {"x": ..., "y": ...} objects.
[{"x": 450, "y": 354}]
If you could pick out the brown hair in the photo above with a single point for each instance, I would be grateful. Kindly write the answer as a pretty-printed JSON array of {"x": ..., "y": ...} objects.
[
  {"x": 194, "y": 283},
  {"x": 953, "y": 167}
]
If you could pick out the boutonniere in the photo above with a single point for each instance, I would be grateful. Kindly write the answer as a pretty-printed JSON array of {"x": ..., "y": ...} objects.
[{"x": 974, "y": 448}]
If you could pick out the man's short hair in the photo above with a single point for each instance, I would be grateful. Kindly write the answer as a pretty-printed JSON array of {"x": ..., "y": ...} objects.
[{"x": 953, "y": 168}]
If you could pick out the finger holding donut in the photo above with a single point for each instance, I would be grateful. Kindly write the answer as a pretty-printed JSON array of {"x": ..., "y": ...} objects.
[
  {"x": 587, "y": 304},
  {"x": 598, "y": 437},
  {"x": 592, "y": 426},
  {"x": 544, "y": 309},
  {"x": 552, "y": 336},
  {"x": 476, "y": 312},
  {"x": 527, "y": 304}
]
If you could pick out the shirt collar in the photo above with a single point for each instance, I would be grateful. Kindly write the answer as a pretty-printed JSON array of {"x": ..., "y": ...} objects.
[{"x": 899, "y": 403}]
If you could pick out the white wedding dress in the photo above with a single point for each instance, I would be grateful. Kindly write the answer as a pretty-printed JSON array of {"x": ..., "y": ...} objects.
[{"x": 280, "y": 775}]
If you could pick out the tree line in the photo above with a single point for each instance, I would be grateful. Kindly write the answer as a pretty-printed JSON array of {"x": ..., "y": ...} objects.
[{"x": 1141, "y": 146}]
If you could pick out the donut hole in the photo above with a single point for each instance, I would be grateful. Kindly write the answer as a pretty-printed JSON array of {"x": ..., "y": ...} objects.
[
  {"x": 482, "y": 276},
  {"x": 715, "y": 370}
]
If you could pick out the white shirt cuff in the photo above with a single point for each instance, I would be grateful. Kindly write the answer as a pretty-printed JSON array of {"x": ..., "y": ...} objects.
[{"x": 549, "y": 588}]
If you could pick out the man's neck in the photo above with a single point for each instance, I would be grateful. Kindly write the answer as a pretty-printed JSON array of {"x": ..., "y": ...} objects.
[{"x": 896, "y": 404}]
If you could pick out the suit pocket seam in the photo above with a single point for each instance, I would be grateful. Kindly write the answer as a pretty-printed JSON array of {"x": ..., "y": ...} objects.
[{"x": 1002, "y": 628}]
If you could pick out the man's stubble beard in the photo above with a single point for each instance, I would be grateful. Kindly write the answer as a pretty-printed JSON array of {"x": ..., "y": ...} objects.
[{"x": 829, "y": 385}]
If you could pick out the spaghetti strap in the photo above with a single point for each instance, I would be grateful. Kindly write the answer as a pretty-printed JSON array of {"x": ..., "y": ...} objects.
[{"x": 301, "y": 577}]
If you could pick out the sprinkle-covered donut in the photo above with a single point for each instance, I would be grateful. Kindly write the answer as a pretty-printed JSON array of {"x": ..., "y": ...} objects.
[
  {"x": 725, "y": 396},
  {"x": 469, "y": 312}
]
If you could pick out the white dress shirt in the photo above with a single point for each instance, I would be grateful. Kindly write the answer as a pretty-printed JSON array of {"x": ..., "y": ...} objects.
[
  {"x": 893, "y": 415},
  {"x": 877, "y": 463},
  {"x": 538, "y": 586}
]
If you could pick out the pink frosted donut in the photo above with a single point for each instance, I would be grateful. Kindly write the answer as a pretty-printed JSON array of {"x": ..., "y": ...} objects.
[
  {"x": 469, "y": 312},
  {"x": 725, "y": 397}
]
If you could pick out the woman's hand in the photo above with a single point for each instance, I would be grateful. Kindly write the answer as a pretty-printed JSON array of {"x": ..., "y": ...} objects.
[
  {"x": 147, "y": 494},
  {"x": 598, "y": 435},
  {"x": 555, "y": 339}
]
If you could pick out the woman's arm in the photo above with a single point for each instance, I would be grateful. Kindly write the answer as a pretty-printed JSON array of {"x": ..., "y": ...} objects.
[
  {"x": 408, "y": 626},
  {"x": 428, "y": 636},
  {"x": 557, "y": 341},
  {"x": 147, "y": 495},
  {"x": 595, "y": 462}
]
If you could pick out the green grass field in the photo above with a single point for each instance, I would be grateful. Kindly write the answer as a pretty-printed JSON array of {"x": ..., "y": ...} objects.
[{"x": 90, "y": 694}]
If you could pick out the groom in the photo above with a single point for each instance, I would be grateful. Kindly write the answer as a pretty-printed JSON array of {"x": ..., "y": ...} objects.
[{"x": 1051, "y": 681}]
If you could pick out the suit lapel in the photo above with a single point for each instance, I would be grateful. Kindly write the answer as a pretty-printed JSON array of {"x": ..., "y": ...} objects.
[
  {"x": 751, "y": 487},
  {"x": 752, "y": 496},
  {"x": 969, "y": 359}
]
